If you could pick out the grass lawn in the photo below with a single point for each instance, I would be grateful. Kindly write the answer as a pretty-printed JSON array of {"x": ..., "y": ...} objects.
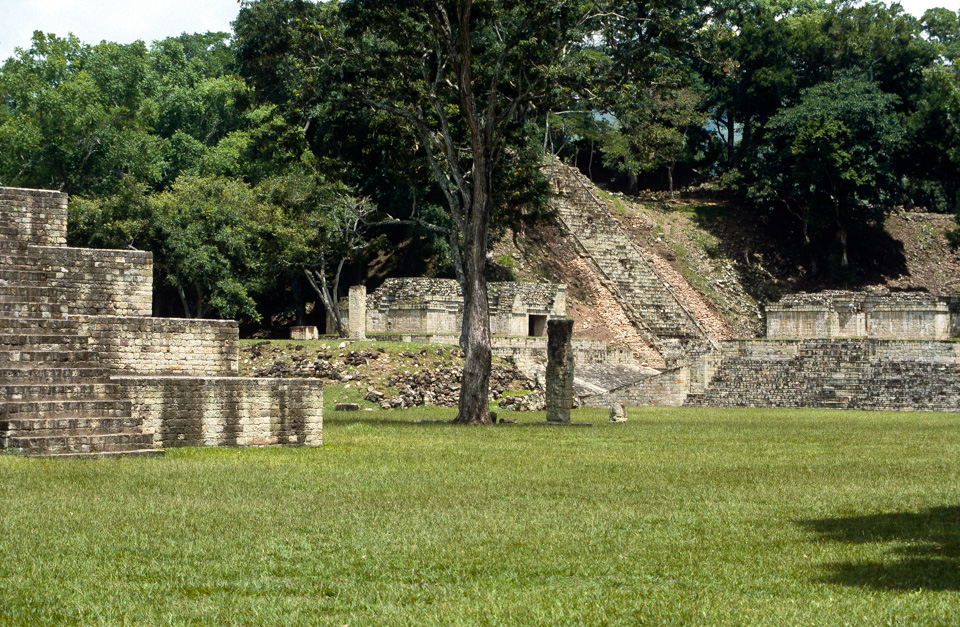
[{"x": 678, "y": 517}]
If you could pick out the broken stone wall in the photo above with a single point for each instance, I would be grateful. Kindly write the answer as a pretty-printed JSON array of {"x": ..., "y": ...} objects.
[{"x": 422, "y": 306}]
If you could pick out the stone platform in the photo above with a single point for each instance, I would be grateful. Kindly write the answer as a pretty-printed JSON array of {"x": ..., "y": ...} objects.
[{"x": 86, "y": 371}]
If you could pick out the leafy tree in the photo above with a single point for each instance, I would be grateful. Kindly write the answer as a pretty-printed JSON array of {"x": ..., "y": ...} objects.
[
  {"x": 459, "y": 78},
  {"x": 827, "y": 160},
  {"x": 209, "y": 233},
  {"x": 321, "y": 228},
  {"x": 70, "y": 117}
]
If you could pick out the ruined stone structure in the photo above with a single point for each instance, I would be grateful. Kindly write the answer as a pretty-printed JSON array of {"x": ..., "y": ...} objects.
[
  {"x": 423, "y": 306},
  {"x": 835, "y": 314},
  {"x": 85, "y": 370}
]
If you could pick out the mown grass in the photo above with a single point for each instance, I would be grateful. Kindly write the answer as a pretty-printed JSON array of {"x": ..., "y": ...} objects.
[{"x": 678, "y": 517}]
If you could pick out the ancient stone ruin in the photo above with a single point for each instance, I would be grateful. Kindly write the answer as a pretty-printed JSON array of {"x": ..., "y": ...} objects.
[
  {"x": 881, "y": 315},
  {"x": 560, "y": 370},
  {"x": 85, "y": 370},
  {"x": 421, "y": 306}
]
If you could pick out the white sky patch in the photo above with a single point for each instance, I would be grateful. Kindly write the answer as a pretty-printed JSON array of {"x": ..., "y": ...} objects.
[
  {"x": 125, "y": 21},
  {"x": 122, "y": 21}
]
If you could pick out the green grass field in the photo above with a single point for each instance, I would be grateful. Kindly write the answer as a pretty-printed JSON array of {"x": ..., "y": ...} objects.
[{"x": 678, "y": 517}]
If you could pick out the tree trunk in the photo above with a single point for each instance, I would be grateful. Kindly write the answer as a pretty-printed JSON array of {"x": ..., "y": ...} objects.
[
  {"x": 329, "y": 300},
  {"x": 474, "y": 405},
  {"x": 299, "y": 302},
  {"x": 634, "y": 183}
]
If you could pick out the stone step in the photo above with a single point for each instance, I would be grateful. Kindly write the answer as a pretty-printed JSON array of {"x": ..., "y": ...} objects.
[
  {"x": 23, "y": 427},
  {"x": 42, "y": 340},
  {"x": 25, "y": 276},
  {"x": 67, "y": 391},
  {"x": 25, "y": 325},
  {"x": 59, "y": 408},
  {"x": 39, "y": 355},
  {"x": 44, "y": 445},
  {"x": 54, "y": 373},
  {"x": 33, "y": 309},
  {"x": 30, "y": 293}
]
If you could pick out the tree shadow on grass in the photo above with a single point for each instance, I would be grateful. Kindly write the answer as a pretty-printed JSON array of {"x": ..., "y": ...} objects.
[{"x": 924, "y": 551}]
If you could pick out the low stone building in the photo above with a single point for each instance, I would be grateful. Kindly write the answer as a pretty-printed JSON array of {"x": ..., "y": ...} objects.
[
  {"x": 880, "y": 315},
  {"x": 423, "y": 306}
]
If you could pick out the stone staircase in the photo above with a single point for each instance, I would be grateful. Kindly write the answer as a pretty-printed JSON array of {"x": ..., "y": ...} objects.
[
  {"x": 56, "y": 400},
  {"x": 648, "y": 299},
  {"x": 836, "y": 374}
]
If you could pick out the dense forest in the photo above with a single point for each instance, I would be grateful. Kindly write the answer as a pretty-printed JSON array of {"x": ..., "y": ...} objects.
[{"x": 268, "y": 168}]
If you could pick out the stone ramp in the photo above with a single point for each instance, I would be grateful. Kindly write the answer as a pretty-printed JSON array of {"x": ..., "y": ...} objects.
[{"x": 648, "y": 298}]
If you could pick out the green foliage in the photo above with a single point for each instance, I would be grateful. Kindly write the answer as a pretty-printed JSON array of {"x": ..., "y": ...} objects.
[
  {"x": 828, "y": 159},
  {"x": 208, "y": 233}
]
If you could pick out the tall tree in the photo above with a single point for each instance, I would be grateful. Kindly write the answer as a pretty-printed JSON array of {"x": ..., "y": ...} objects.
[
  {"x": 827, "y": 160},
  {"x": 461, "y": 78}
]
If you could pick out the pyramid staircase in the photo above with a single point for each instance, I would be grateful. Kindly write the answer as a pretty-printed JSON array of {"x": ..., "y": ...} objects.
[
  {"x": 56, "y": 400},
  {"x": 650, "y": 302}
]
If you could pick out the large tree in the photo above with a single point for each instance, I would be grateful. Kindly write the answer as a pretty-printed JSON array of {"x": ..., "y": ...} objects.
[{"x": 462, "y": 80}]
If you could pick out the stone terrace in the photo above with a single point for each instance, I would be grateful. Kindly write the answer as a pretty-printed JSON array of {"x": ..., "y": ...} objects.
[
  {"x": 85, "y": 370},
  {"x": 871, "y": 374}
]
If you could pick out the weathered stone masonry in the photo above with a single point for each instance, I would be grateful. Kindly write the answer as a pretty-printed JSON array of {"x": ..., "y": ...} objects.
[{"x": 85, "y": 370}]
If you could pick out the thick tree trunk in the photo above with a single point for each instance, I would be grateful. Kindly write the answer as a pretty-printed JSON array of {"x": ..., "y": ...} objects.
[{"x": 474, "y": 406}]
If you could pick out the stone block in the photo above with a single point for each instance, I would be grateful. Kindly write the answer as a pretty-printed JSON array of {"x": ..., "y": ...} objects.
[{"x": 304, "y": 333}]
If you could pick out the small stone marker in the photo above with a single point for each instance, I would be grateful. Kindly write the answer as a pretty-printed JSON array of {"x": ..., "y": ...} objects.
[
  {"x": 559, "y": 370},
  {"x": 347, "y": 407},
  {"x": 304, "y": 333},
  {"x": 618, "y": 412}
]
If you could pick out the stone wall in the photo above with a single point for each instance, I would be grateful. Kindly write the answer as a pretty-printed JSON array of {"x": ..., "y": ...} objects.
[
  {"x": 527, "y": 352},
  {"x": 421, "y": 306},
  {"x": 835, "y": 314},
  {"x": 230, "y": 411},
  {"x": 158, "y": 346},
  {"x": 34, "y": 216},
  {"x": 98, "y": 282}
]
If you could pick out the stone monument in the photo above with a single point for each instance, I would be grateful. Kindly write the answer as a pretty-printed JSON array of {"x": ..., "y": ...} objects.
[{"x": 559, "y": 370}]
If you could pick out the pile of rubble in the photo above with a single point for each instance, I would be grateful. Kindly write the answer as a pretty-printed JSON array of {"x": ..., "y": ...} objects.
[
  {"x": 440, "y": 387},
  {"x": 392, "y": 380},
  {"x": 535, "y": 401}
]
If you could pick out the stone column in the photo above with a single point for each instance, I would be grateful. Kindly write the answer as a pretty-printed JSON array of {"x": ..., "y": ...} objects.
[
  {"x": 358, "y": 312},
  {"x": 559, "y": 370}
]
